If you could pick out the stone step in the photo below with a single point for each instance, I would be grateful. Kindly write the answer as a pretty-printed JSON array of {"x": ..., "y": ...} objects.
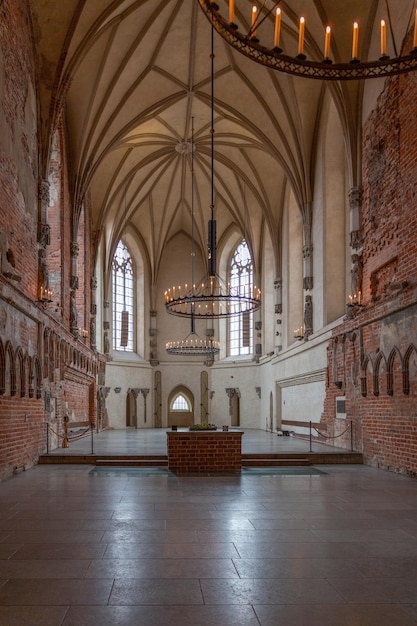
[
  {"x": 139, "y": 462},
  {"x": 274, "y": 462}
]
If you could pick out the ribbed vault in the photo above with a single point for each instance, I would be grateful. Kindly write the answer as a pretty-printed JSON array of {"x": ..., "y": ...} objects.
[{"x": 132, "y": 74}]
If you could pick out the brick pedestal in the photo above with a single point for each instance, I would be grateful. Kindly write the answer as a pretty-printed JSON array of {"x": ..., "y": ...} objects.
[{"x": 204, "y": 451}]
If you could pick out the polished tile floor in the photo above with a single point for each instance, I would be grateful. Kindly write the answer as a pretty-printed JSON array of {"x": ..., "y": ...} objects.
[{"x": 82, "y": 547}]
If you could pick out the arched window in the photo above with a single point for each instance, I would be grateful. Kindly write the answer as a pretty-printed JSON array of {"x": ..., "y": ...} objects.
[
  {"x": 180, "y": 403},
  {"x": 123, "y": 295},
  {"x": 241, "y": 279}
]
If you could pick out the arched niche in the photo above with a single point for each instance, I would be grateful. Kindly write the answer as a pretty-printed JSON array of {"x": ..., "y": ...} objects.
[{"x": 181, "y": 407}]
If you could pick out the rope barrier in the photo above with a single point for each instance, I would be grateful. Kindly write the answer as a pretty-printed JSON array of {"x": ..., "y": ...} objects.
[
  {"x": 54, "y": 431},
  {"x": 328, "y": 436},
  {"x": 66, "y": 438},
  {"x": 79, "y": 435}
]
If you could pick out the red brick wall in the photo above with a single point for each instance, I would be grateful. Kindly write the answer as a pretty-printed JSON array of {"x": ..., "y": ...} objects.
[
  {"x": 374, "y": 355},
  {"x": 23, "y": 433},
  {"x": 36, "y": 346},
  {"x": 204, "y": 452},
  {"x": 18, "y": 133}
]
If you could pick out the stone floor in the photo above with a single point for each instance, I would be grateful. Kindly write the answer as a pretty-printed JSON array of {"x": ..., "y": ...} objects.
[{"x": 82, "y": 547}]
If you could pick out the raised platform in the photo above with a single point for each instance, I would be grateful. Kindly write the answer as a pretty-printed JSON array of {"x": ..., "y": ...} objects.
[{"x": 148, "y": 448}]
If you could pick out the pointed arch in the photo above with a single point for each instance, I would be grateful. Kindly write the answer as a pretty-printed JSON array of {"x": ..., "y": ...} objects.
[
  {"x": 411, "y": 350},
  {"x": 31, "y": 376},
  {"x": 10, "y": 368},
  {"x": 38, "y": 377},
  {"x": 181, "y": 406},
  {"x": 380, "y": 362},
  {"x": 366, "y": 374},
  {"x": 241, "y": 278},
  {"x": 393, "y": 358},
  {"x": 123, "y": 298},
  {"x": 20, "y": 373}
]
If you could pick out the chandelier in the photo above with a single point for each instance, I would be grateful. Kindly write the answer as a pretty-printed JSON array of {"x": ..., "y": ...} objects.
[
  {"x": 211, "y": 297},
  {"x": 274, "y": 56},
  {"x": 193, "y": 344}
]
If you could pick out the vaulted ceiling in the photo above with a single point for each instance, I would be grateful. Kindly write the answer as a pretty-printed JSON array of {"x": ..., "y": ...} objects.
[{"x": 134, "y": 77}]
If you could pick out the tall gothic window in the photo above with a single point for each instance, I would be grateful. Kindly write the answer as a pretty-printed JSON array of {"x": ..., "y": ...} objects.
[
  {"x": 241, "y": 279},
  {"x": 123, "y": 293}
]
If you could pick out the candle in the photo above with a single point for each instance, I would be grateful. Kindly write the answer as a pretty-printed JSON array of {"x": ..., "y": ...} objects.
[
  {"x": 301, "y": 36},
  {"x": 277, "y": 28},
  {"x": 327, "y": 43},
  {"x": 231, "y": 11},
  {"x": 355, "y": 40},
  {"x": 383, "y": 38},
  {"x": 254, "y": 16},
  {"x": 415, "y": 31}
]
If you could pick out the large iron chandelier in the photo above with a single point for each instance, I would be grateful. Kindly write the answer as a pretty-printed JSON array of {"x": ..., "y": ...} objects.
[
  {"x": 274, "y": 56},
  {"x": 211, "y": 297}
]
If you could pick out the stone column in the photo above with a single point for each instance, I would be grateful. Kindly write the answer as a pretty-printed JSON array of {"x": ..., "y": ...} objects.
[
  {"x": 278, "y": 312},
  {"x": 44, "y": 239},
  {"x": 355, "y": 204},
  {"x": 93, "y": 313}
]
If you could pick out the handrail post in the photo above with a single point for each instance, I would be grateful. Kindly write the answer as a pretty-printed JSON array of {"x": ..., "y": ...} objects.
[
  {"x": 65, "y": 441},
  {"x": 351, "y": 435},
  {"x": 311, "y": 442},
  {"x": 92, "y": 437},
  {"x": 47, "y": 437}
]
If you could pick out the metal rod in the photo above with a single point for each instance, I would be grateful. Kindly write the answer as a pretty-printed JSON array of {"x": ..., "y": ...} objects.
[{"x": 311, "y": 442}]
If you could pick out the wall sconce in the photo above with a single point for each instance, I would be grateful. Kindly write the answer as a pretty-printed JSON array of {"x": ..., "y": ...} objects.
[
  {"x": 356, "y": 299},
  {"x": 299, "y": 333},
  {"x": 45, "y": 296},
  {"x": 354, "y": 304}
]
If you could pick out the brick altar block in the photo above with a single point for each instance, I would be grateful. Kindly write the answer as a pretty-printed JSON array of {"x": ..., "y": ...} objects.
[{"x": 204, "y": 451}]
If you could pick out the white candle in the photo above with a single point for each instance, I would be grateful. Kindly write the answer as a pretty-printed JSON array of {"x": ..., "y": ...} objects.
[
  {"x": 355, "y": 40},
  {"x": 254, "y": 16},
  {"x": 415, "y": 31},
  {"x": 277, "y": 28},
  {"x": 327, "y": 43},
  {"x": 383, "y": 38},
  {"x": 231, "y": 11},
  {"x": 301, "y": 36}
]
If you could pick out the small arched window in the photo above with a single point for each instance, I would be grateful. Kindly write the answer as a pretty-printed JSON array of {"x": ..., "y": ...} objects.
[
  {"x": 241, "y": 279},
  {"x": 123, "y": 298},
  {"x": 180, "y": 403}
]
